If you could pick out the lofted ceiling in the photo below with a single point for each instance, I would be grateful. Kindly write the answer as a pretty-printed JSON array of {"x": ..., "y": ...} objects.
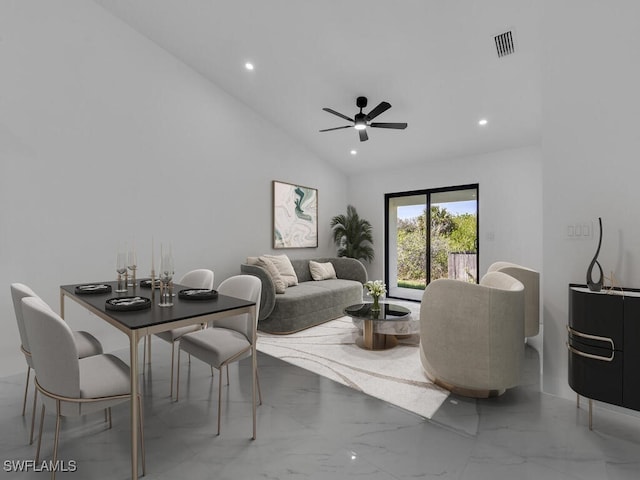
[{"x": 435, "y": 61}]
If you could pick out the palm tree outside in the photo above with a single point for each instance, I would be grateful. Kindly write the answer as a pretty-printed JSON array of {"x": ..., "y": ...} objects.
[{"x": 353, "y": 235}]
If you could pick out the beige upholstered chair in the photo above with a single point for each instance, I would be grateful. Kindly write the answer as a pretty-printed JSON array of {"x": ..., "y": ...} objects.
[
  {"x": 471, "y": 335},
  {"x": 229, "y": 339},
  {"x": 71, "y": 386},
  {"x": 531, "y": 281},
  {"x": 200, "y": 278},
  {"x": 86, "y": 344}
]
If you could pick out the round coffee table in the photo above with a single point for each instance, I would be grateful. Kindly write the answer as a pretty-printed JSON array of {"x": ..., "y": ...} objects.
[{"x": 379, "y": 329}]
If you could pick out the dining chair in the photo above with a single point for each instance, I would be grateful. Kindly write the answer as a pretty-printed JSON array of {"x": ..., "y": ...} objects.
[
  {"x": 228, "y": 340},
  {"x": 200, "y": 278},
  {"x": 86, "y": 344},
  {"x": 73, "y": 386}
]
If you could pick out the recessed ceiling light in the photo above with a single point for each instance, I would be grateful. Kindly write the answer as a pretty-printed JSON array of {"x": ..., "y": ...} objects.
[
  {"x": 248, "y": 66},
  {"x": 482, "y": 121},
  {"x": 353, "y": 152}
]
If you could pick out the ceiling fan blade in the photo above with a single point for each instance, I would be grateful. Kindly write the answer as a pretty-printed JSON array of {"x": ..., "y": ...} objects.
[
  {"x": 338, "y": 114},
  {"x": 399, "y": 126},
  {"x": 336, "y": 128},
  {"x": 382, "y": 107},
  {"x": 363, "y": 135}
]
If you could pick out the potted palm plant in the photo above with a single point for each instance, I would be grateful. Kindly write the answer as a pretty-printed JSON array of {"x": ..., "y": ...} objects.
[{"x": 353, "y": 235}]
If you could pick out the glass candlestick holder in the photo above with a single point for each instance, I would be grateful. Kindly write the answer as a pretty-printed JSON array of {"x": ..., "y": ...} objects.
[{"x": 166, "y": 291}]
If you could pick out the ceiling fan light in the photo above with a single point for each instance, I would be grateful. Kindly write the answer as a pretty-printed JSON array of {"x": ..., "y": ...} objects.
[{"x": 361, "y": 121}]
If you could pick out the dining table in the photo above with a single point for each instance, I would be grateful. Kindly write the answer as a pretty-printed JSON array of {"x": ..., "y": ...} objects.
[{"x": 137, "y": 324}]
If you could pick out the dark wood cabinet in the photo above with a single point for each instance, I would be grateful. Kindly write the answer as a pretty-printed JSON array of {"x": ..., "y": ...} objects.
[{"x": 604, "y": 345}]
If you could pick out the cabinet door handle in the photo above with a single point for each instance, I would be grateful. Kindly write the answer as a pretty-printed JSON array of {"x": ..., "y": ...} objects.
[
  {"x": 591, "y": 337},
  {"x": 590, "y": 355}
]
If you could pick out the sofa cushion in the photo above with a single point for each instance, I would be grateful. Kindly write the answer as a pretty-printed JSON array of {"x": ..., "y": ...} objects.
[
  {"x": 252, "y": 260},
  {"x": 323, "y": 295},
  {"x": 283, "y": 264},
  {"x": 273, "y": 272},
  {"x": 311, "y": 303},
  {"x": 322, "y": 271}
]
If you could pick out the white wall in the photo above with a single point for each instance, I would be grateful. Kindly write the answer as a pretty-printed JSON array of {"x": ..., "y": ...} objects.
[
  {"x": 104, "y": 137},
  {"x": 510, "y": 185},
  {"x": 590, "y": 146}
]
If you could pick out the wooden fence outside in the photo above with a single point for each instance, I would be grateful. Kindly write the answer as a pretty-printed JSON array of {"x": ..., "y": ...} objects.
[{"x": 463, "y": 266}]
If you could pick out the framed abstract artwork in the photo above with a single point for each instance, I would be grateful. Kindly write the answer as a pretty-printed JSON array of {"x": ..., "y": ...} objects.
[{"x": 295, "y": 216}]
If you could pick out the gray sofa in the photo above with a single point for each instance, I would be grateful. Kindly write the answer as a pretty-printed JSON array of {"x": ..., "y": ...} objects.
[{"x": 310, "y": 302}]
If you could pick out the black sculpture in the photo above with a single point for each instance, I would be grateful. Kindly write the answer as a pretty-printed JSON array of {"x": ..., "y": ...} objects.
[{"x": 595, "y": 286}]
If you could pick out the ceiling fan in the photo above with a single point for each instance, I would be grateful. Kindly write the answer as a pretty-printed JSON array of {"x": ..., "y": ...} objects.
[{"x": 363, "y": 120}]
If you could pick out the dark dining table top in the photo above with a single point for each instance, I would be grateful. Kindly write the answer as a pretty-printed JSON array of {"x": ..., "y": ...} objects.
[{"x": 155, "y": 315}]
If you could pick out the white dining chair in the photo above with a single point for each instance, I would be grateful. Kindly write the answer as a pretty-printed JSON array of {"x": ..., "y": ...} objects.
[
  {"x": 228, "y": 340},
  {"x": 72, "y": 386},
  {"x": 200, "y": 278},
  {"x": 86, "y": 344}
]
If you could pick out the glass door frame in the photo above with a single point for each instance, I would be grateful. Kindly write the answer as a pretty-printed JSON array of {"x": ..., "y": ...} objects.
[{"x": 428, "y": 192}]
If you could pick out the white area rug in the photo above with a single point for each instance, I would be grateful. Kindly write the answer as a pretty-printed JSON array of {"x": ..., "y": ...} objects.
[{"x": 393, "y": 375}]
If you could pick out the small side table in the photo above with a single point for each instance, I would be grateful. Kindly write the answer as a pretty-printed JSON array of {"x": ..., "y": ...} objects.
[{"x": 379, "y": 329}]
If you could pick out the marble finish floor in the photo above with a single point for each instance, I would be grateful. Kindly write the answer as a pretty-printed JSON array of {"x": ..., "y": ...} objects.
[
  {"x": 394, "y": 375},
  {"x": 310, "y": 427}
]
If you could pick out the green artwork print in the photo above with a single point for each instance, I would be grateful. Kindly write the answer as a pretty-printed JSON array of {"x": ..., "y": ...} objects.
[{"x": 295, "y": 216}]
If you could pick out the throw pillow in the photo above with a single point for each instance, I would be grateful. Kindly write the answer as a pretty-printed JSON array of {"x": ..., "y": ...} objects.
[
  {"x": 283, "y": 264},
  {"x": 273, "y": 272},
  {"x": 322, "y": 271}
]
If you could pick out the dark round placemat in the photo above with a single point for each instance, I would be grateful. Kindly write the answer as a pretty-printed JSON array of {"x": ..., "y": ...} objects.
[
  {"x": 147, "y": 283},
  {"x": 92, "y": 289},
  {"x": 197, "y": 294},
  {"x": 127, "y": 304}
]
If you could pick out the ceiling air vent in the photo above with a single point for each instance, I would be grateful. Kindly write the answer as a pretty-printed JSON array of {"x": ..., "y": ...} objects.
[{"x": 504, "y": 44}]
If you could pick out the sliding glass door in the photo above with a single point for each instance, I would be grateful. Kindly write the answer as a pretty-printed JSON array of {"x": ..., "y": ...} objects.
[
  {"x": 407, "y": 246},
  {"x": 430, "y": 234}
]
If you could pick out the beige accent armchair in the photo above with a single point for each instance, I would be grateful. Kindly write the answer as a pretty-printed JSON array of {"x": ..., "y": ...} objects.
[
  {"x": 531, "y": 281},
  {"x": 471, "y": 335}
]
